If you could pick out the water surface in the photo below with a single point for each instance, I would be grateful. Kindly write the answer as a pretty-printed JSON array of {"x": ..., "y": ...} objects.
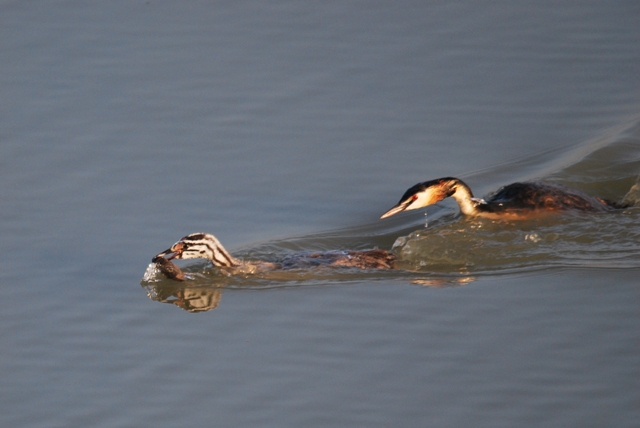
[{"x": 286, "y": 127}]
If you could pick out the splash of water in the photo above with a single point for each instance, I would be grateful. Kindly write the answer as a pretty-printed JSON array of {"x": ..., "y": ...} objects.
[{"x": 479, "y": 245}]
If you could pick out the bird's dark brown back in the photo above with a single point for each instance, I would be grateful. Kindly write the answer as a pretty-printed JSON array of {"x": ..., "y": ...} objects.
[{"x": 544, "y": 197}]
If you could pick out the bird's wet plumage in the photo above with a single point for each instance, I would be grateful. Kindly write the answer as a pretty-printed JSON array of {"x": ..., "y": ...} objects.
[
  {"x": 371, "y": 259},
  {"x": 544, "y": 197}
]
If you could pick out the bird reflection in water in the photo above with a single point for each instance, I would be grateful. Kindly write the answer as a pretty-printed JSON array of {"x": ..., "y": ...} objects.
[
  {"x": 179, "y": 292},
  {"x": 191, "y": 298},
  {"x": 443, "y": 282}
]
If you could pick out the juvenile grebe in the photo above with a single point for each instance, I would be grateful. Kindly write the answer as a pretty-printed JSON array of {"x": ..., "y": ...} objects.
[
  {"x": 513, "y": 202},
  {"x": 206, "y": 246}
]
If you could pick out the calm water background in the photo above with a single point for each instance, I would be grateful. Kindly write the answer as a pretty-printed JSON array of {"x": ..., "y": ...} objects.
[{"x": 291, "y": 126}]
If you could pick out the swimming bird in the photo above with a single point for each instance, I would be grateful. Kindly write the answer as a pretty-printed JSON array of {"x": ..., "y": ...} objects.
[
  {"x": 206, "y": 246},
  {"x": 516, "y": 201}
]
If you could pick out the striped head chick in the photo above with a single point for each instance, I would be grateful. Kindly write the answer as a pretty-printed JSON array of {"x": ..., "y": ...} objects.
[{"x": 201, "y": 246}]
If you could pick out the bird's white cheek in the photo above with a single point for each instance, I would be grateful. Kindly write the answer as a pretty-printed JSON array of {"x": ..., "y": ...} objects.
[{"x": 423, "y": 200}]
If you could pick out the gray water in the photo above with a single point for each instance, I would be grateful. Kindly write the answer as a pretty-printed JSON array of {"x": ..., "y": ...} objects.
[{"x": 289, "y": 127}]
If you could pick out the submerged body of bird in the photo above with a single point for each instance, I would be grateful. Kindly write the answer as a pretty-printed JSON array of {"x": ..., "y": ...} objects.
[{"x": 206, "y": 246}]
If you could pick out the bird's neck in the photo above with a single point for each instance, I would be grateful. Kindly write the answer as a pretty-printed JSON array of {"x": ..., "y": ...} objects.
[
  {"x": 253, "y": 267},
  {"x": 464, "y": 197},
  {"x": 219, "y": 256}
]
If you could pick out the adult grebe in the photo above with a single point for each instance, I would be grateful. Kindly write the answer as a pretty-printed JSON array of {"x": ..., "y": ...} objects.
[
  {"x": 206, "y": 246},
  {"x": 517, "y": 201}
]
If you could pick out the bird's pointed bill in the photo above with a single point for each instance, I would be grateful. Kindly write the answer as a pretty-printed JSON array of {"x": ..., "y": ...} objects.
[{"x": 395, "y": 210}]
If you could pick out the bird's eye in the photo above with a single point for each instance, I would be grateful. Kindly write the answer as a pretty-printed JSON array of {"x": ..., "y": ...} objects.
[{"x": 414, "y": 197}]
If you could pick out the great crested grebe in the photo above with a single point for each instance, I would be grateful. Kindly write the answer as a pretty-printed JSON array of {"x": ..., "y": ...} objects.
[
  {"x": 206, "y": 246},
  {"x": 516, "y": 201}
]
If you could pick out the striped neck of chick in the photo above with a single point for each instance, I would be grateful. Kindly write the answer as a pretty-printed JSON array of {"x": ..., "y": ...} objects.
[{"x": 204, "y": 246}]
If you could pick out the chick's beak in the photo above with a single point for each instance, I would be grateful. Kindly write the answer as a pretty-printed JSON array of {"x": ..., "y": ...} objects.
[{"x": 174, "y": 252}]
